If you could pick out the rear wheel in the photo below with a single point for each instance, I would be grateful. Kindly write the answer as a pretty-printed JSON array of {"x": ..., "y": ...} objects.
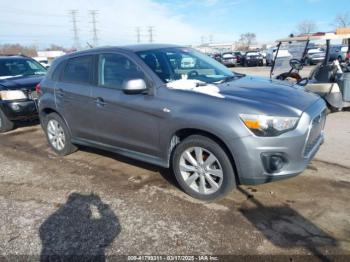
[
  {"x": 5, "y": 124},
  {"x": 332, "y": 109},
  {"x": 202, "y": 168},
  {"x": 58, "y": 136}
]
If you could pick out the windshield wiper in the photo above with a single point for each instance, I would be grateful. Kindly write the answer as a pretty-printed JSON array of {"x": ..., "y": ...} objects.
[{"x": 230, "y": 78}]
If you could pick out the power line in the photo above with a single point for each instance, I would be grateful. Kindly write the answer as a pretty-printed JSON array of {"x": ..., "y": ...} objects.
[
  {"x": 93, "y": 14},
  {"x": 151, "y": 33},
  {"x": 73, "y": 13},
  {"x": 138, "y": 34}
]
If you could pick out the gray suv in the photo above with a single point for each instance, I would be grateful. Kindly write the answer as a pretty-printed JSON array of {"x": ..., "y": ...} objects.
[{"x": 214, "y": 128}]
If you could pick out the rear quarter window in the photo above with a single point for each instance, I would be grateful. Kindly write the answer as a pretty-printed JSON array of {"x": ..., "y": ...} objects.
[{"x": 57, "y": 71}]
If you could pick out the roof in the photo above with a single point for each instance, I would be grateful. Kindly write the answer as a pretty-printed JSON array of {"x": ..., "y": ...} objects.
[
  {"x": 132, "y": 48},
  {"x": 325, "y": 36}
]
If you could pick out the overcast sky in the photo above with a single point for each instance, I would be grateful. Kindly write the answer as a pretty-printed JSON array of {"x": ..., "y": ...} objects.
[{"x": 42, "y": 22}]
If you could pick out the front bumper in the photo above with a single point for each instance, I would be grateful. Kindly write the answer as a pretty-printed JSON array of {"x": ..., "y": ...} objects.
[
  {"x": 295, "y": 146},
  {"x": 19, "y": 110},
  {"x": 230, "y": 62},
  {"x": 316, "y": 60},
  {"x": 254, "y": 61}
]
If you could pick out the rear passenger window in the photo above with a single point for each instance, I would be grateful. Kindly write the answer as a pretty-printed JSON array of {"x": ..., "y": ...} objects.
[
  {"x": 115, "y": 69},
  {"x": 78, "y": 70}
]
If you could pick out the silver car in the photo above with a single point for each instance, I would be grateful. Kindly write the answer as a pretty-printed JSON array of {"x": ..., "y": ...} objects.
[{"x": 213, "y": 128}]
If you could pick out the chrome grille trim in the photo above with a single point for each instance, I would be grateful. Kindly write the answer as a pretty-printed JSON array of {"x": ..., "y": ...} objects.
[{"x": 313, "y": 141}]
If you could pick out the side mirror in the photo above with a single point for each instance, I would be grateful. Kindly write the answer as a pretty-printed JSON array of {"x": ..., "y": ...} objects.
[{"x": 134, "y": 86}]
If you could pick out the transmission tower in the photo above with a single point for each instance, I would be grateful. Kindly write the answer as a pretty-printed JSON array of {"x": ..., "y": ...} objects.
[
  {"x": 93, "y": 14},
  {"x": 138, "y": 34},
  {"x": 73, "y": 14},
  {"x": 151, "y": 33}
]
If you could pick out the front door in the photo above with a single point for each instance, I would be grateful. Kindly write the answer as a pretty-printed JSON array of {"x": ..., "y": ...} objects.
[{"x": 125, "y": 121}]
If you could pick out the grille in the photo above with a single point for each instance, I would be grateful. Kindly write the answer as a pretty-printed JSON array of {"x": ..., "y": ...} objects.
[{"x": 315, "y": 133}]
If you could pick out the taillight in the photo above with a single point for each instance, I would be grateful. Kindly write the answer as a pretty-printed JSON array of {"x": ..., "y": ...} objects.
[{"x": 38, "y": 88}]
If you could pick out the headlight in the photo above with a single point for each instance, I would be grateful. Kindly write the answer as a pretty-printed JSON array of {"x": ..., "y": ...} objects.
[
  {"x": 12, "y": 95},
  {"x": 262, "y": 125},
  {"x": 248, "y": 57}
]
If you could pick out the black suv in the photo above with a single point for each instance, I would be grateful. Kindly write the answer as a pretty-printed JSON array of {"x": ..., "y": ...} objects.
[{"x": 19, "y": 75}]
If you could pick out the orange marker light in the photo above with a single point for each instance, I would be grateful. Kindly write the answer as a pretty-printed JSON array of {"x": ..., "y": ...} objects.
[{"x": 254, "y": 124}]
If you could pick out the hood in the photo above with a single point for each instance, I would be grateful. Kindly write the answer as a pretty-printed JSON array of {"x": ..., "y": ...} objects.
[
  {"x": 21, "y": 82},
  {"x": 269, "y": 93}
]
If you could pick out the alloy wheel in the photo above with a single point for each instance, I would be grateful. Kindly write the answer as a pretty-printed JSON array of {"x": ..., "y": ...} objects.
[
  {"x": 201, "y": 170},
  {"x": 56, "y": 134}
]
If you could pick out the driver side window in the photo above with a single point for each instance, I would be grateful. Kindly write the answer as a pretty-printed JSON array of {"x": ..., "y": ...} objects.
[{"x": 115, "y": 69}]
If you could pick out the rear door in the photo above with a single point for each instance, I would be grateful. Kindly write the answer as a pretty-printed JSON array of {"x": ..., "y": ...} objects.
[
  {"x": 73, "y": 95},
  {"x": 122, "y": 120}
]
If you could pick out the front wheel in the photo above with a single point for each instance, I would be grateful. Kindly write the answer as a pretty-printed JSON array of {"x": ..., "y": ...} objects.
[
  {"x": 58, "y": 136},
  {"x": 5, "y": 124},
  {"x": 202, "y": 168}
]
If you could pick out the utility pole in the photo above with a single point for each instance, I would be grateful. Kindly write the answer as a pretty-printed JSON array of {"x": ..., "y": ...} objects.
[
  {"x": 93, "y": 14},
  {"x": 73, "y": 14},
  {"x": 210, "y": 39},
  {"x": 138, "y": 35},
  {"x": 151, "y": 33},
  {"x": 202, "y": 39}
]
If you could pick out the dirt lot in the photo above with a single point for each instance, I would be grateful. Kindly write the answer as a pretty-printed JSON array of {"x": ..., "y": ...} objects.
[{"x": 93, "y": 202}]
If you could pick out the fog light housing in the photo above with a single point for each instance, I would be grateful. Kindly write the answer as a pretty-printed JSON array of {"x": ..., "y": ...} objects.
[
  {"x": 15, "y": 107},
  {"x": 273, "y": 162}
]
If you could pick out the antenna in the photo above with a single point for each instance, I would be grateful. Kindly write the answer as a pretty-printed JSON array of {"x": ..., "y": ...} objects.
[
  {"x": 73, "y": 14},
  {"x": 93, "y": 14}
]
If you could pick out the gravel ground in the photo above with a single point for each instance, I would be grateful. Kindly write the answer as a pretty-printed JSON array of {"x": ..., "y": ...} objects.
[{"x": 97, "y": 203}]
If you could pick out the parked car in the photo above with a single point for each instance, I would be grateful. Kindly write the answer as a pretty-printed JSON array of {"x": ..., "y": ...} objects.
[
  {"x": 271, "y": 54},
  {"x": 188, "y": 62},
  {"x": 217, "y": 57},
  {"x": 215, "y": 128},
  {"x": 338, "y": 52},
  {"x": 252, "y": 59},
  {"x": 43, "y": 61},
  {"x": 315, "y": 56},
  {"x": 18, "y": 77},
  {"x": 239, "y": 56},
  {"x": 228, "y": 59}
]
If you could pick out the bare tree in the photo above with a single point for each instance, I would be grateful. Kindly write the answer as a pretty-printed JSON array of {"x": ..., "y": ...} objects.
[
  {"x": 54, "y": 47},
  {"x": 342, "y": 20},
  {"x": 15, "y": 49},
  {"x": 306, "y": 27},
  {"x": 246, "y": 40}
]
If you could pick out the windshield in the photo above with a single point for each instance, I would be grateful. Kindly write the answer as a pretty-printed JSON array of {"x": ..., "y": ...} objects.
[
  {"x": 172, "y": 64},
  {"x": 10, "y": 67},
  {"x": 287, "y": 51}
]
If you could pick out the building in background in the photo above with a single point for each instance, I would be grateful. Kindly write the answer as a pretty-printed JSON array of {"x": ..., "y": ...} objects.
[{"x": 46, "y": 57}]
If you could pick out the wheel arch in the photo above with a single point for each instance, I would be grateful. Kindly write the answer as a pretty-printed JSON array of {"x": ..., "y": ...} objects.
[
  {"x": 183, "y": 133},
  {"x": 44, "y": 112}
]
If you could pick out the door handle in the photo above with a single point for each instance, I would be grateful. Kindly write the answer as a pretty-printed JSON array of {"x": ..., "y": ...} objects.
[
  {"x": 100, "y": 102},
  {"x": 60, "y": 92}
]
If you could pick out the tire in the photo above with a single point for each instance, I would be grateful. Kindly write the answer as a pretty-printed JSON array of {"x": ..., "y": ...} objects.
[
  {"x": 224, "y": 176},
  {"x": 5, "y": 124},
  {"x": 332, "y": 109},
  {"x": 58, "y": 135}
]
